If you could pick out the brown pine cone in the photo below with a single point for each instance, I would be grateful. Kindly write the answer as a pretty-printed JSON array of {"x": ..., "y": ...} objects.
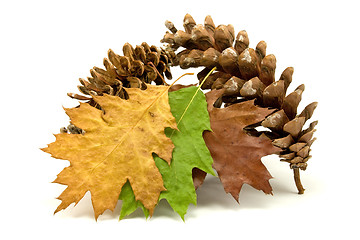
[
  {"x": 139, "y": 65},
  {"x": 245, "y": 73}
]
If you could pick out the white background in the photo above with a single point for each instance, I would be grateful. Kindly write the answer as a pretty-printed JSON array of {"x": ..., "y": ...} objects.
[{"x": 45, "y": 46}]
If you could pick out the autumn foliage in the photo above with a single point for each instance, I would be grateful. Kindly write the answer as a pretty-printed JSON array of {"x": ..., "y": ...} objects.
[
  {"x": 237, "y": 156},
  {"x": 139, "y": 143}
]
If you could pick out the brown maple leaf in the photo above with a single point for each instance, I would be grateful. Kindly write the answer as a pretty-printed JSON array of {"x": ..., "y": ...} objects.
[
  {"x": 116, "y": 147},
  {"x": 237, "y": 155}
]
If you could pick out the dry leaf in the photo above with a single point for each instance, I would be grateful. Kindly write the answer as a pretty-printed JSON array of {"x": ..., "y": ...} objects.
[
  {"x": 237, "y": 155},
  {"x": 116, "y": 147}
]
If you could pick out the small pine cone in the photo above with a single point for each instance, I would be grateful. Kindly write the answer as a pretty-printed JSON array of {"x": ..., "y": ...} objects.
[
  {"x": 139, "y": 65},
  {"x": 245, "y": 73}
]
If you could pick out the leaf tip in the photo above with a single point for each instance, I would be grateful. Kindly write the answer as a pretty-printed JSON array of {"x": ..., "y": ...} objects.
[
  {"x": 58, "y": 209},
  {"x": 65, "y": 109},
  {"x": 45, "y": 149}
]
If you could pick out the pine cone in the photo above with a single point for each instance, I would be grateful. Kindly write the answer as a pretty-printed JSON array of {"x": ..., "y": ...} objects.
[
  {"x": 144, "y": 64},
  {"x": 246, "y": 73}
]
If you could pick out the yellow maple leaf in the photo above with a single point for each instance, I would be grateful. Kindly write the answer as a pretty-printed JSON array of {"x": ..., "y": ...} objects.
[{"x": 116, "y": 147}]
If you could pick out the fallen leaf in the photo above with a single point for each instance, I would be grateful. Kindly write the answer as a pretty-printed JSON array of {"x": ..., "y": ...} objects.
[
  {"x": 237, "y": 155},
  {"x": 117, "y": 147},
  {"x": 190, "y": 151}
]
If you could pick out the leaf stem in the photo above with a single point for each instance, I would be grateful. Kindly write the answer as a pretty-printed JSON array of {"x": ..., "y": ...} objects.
[
  {"x": 180, "y": 78},
  {"x": 298, "y": 181}
]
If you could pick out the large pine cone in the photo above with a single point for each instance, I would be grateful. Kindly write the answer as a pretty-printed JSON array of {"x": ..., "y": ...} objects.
[{"x": 245, "y": 73}]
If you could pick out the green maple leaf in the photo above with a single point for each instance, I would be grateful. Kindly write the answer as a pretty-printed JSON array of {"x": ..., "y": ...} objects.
[{"x": 189, "y": 107}]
